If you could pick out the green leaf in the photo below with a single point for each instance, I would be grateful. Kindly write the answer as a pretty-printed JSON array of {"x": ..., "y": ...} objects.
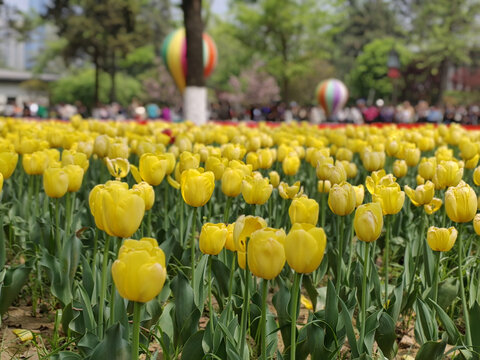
[
  {"x": 66, "y": 355},
  {"x": 311, "y": 290},
  {"x": 474, "y": 313},
  {"x": 13, "y": 281},
  {"x": 347, "y": 320},
  {"x": 448, "y": 324},
  {"x": 385, "y": 335},
  {"x": 431, "y": 350},
  {"x": 425, "y": 329},
  {"x": 193, "y": 347},
  {"x": 114, "y": 345},
  {"x": 199, "y": 286}
]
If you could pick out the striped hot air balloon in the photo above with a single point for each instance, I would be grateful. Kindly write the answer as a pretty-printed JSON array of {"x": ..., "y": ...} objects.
[
  {"x": 332, "y": 94},
  {"x": 174, "y": 54}
]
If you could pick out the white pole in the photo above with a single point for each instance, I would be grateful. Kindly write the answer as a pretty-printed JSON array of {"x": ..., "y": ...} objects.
[{"x": 195, "y": 104}]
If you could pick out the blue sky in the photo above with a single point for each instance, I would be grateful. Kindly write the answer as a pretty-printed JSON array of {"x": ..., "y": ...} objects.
[{"x": 219, "y": 6}]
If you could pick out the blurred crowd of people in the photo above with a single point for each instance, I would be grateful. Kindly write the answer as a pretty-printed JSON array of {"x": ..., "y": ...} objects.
[{"x": 359, "y": 113}]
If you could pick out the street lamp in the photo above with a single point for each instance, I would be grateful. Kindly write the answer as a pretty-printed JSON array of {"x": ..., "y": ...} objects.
[{"x": 393, "y": 64}]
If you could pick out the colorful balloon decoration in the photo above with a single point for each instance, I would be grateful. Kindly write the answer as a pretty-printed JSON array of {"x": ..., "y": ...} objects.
[
  {"x": 174, "y": 54},
  {"x": 332, "y": 94}
]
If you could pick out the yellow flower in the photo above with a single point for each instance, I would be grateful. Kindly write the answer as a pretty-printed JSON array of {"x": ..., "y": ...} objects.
[
  {"x": 75, "y": 177},
  {"x": 344, "y": 154},
  {"x": 118, "y": 150},
  {"x": 139, "y": 272},
  {"x": 461, "y": 203},
  {"x": 289, "y": 192},
  {"x": 324, "y": 186},
  {"x": 412, "y": 156},
  {"x": 448, "y": 173},
  {"x": 373, "y": 160},
  {"x": 303, "y": 210},
  {"x": 188, "y": 161},
  {"x": 306, "y": 303},
  {"x": 212, "y": 238},
  {"x": 265, "y": 158},
  {"x": 476, "y": 176},
  {"x": 8, "y": 163},
  {"x": 118, "y": 168},
  {"x": 252, "y": 160},
  {"x": 266, "y": 253},
  {"x": 390, "y": 197},
  {"x": 55, "y": 182},
  {"x": 246, "y": 168},
  {"x": 274, "y": 178},
  {"x": 359, "y": 194},
  {"x": 153, "y": 168},
  {"x": 1, "y": 181},
  {"x": 427, "y": 167},
  {"x": 232, "y": 182},
  {"x": 368, "y": 222},
  {"x": 101, "y": 145},
  {"x": 471, "y": 163},
  {"x": 400, "y": 168},
  {"x": 468, "y": 150},
  {"x": 342, "y": 199},
  {"x": 305, "y": 247},
  {"x": 375, "y": 178},
  {"x": 290, "y": 165},
  {"x": 422, "y": 195},
  {"x": 35, "y": 163},
  {"x": 197, "y": 188},
  {"x": 441, "y": 239},
  {"x": 146, "y": 192},
  {"x": 229, "y": 243},
  {"x": 243, "y": 229},
  {"x": 433, "y": 206},
  {"x": 476, "y": 224},
  {"x": 122, "y": 210},
  {"x": 334, "y": 173},
  {"x": 216, "y": 165},
  {"x": 256, "y": 189},
  {"x": 77, "y": 158}
]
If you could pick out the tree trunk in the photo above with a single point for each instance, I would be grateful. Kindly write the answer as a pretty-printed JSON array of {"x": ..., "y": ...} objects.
[
  {"x": 192, "y": 16},
  {"x": 97, "y": 80},
  {"x": 444, "y": 72},
  {"x": 195, "y": 94},
  {"x": 113, "y": 71}
]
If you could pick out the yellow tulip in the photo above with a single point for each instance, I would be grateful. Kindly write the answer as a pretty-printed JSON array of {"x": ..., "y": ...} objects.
[
  {"x": 274, "y": 178},
  {"x": 368, "y": 222},
  {"x": 359, "y": 194},
  {"x": 400, "y": 168},
  {"x": 324, "y": 186},
  {"x": 289, "y": 192},
  {"x": 265, "y": 158},
  {"x": 305, "y": 247},
  {"x": 342, "y": 199},
  {"x": 243, "y": 229},
  {"x": 390, "y": 197},
  {"x": 118, "y": 150},
  {"x": 427, "y": 167},
  {"x": 476, "y": 176},
  {"x": 188, "y": 161},
  {"x": 472, "y": 163},
  {"x": 146, "y": 192},
  {"x": 334, "y": 173},
  {"x": 448, "y": 173},
  {"x": 101, "y": 145},
  {"x": 256, "y": 189},
  {"x": 139, "y": 272},
  {"x": 35, "y": 163},
  {"x": 122, "y": 210},
  {"x": 216, "y": 165},
  {"x": 8, "y": 163},
  {"x": 433, "y": 206},
  {"x": 152, "y": 168},
  {"x": 344, "y": 154},
  {"x": 476, "y": 224},
  {"x": 467, "y": 149},
  {"x": 304, "y": 210},
  {"x": 246, "y": 168},
  {"x": 323, "y": 167},
  {"x": 290, "y": 165},
  {"x": 422, "y": 195},
  {"x": 232, "y": 182},
  {"x": 266, "y": 253},
  {"x": 212, "y": 238},
  {"x": 412, "y": 156},
  {"x": 197, "y": 188},
  {"x": 229, "y": 243},
  {"x": 461, "y": 203},
  {"x": 441, "y": 239},
  {"x": 373, "y": 160},
  {"x": 76, "y": 158},
  {"x": 118, "y": 168},
  {"x": 252, "y": 160},
  {"x": 75, "y": 177},
  {"x": 55, "y": 182}
]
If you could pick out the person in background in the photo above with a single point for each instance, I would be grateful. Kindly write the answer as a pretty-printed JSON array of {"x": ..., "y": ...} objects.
[{"x": 153, "y": 111}]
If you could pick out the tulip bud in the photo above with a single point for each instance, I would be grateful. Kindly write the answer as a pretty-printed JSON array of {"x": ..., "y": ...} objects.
[
  {"x": 422, "y": 195},
  {"x": 216, "y": 165},
  {"x": 243, "y": 229},
  {"x": 324, "y": 186},
  {"x": 266, "y": 253},
  {"x": 373, "y": 160},
  {"x": 212, "y": 238},
  {"x": 35, "y": 163},
  {"x": 427, "y": 167},
  {"x": 229, "y": 243},
  {"x": 368, "y": 222},
  {"x": 342, "y": 199},
  {"x": 265, "y": 158},
  {"x": 232, "y": 182},
  {"x": 390, "y": 197},
  {"x": 289, "y": 192},
  {"x": 75, "y": 177},
  {"x": 146, "y": 192},
  {"x": 153, "y": 168},
  {"x": 359, "y": 194},
  {"x": 55, "y": 182},
  {"x": 304, "y": 210},
  {"x": 118, "y": 150},
  {"x": 197, "y": 188},
  {"x": 274, "y": 178},
  {"x": 139, "y": 273},
  {"x": 188, "y": 161},
  {"x": 476, "y": 176},
  {"x": 476, "y": 224},
  {"x": 256, "y": 189},
  {"x": 8, "y": 163},
  {"x": 441, "y": 239},
  {"x": 305, "y": 247},
  {"x": 400, "y": 168},
  {"x": 448, "y": 173},
  {"x": 412, "y": 156},
  {"x": 100, "y": 146},
  {"x": 290, "y": 165},
  {"x": 461, "y": 203}
]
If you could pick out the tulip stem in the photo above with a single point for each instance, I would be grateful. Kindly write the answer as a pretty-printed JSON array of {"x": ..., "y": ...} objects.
[
  {"x": 323, "y": 207},
  {"x": 386, "y": 256},
  {"x": 149, "y": 223},
  {"x": 230, "y": 280},
  {"x": 165, "y": 204},
  {"x": 341, "y": 228},
  {"x": 227, "y": 210},
  {"x": 419, "y": 249},
  {"x": 246, "y": 299},
  {"x": 352, "y": 249},
  {"x": 263, "y": 321},
  {"x": 366, "y": 264},
  {"x": 137, "y": 307},
  {"x": 293, "y": 313},
  {"x": 58, "y": 241},
  {"x": 462, "y": 289},
  {"x": 182, "y": 227},
  {"x": 94, "y": 255},
  {"x": 210, "y": 298},
  {"x": 435, "y": 278},
  {"x": 67, "y": 214},
  {"x": 103, "y": 287},
  {"x": 192, "y": 245}
]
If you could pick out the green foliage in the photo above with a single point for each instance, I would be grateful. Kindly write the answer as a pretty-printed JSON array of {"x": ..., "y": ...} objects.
[
  {"x": 369, "y": 72},
  {"x": 79, "y": 87}
]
